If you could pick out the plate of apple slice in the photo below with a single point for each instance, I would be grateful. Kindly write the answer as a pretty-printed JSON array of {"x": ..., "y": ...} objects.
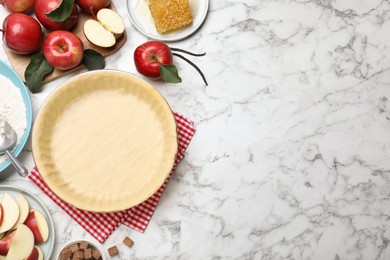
[{"x": 26, "y": 227}]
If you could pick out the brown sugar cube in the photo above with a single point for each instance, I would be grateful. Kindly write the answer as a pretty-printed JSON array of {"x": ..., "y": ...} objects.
[
  {"x": 95, "y": 254},
  {"x": 66, "y": 251},
  {"x": 65, "y": 254},
  {"x": 113, "y": 251},
  {"x": 88, "y": 253},
  {"x": 79, "y": 254},
  {"x": 83, "y": 245},
  {"x": 73, "y": 248},
  {"x": 62, "y": 257},
  {"x": 128, "y": 242}
]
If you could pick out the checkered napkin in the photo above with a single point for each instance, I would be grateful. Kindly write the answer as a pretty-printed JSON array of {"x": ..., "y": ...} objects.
[{"x": 101, "y": 225}]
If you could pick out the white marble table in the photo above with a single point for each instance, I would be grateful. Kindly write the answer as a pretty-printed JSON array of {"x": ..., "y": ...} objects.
[{"x": 291, "y": 158}]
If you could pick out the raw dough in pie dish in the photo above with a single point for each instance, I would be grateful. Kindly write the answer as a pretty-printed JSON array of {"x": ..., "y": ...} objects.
[{"x": 105, "y": 141}]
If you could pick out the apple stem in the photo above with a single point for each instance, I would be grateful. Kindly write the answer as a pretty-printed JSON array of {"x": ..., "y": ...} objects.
[
  {"x": 193, "y": 65},
  {"x": 92, "y": 13},
  {"x": 187, "y": 52}
]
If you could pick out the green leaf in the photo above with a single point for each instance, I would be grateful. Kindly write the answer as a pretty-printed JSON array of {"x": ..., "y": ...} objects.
[
  {"x": 169, "y": 73},
  {"x": 36, "y": 70},
  {"x": 62, "y": 12},
  {"x": 93, "y": 60}
]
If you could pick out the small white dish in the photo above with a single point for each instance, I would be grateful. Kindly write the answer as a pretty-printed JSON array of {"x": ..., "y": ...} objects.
[
  {"x": 103, "y": 256},
  {"x": 142, "y": 19}
]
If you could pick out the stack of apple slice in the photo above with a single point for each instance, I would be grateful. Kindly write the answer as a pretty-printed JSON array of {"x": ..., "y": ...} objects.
[{"x": 21, "y": 229}]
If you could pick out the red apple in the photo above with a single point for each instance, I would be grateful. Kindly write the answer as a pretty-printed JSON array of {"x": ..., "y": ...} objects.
[
  {"x": 147, "y": 57},
  {"x": 37, "y": 223},
  {"x": 63, "y": 49},
  {"x": 22, "y": 33},
  {"x": 154, "y": 59},
  {"x": 18, "y": 6},
  {"x": 92, "y": 6},
  {"x": 43, "y": 7}
]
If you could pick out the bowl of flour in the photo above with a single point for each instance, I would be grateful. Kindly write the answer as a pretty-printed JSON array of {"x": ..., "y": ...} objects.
[{"x": 15, "y": 108}]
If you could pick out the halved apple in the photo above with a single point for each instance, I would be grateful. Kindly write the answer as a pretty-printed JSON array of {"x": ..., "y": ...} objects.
[
  {"x": 22, "y": 244},
  {"x": 24, "y": 209},
  {"x": 37, "y": 223},
  {"x": 36, "y": 254},
  {"x": 11, "y": 213},
  {"x": 105, "y": 29}
]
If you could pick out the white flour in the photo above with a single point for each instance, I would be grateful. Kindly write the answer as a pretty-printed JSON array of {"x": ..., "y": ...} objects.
[{"x": 12, "y": 109}]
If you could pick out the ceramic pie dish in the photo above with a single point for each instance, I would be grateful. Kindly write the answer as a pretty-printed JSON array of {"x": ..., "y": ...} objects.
[{"x": 105, "y": 141}]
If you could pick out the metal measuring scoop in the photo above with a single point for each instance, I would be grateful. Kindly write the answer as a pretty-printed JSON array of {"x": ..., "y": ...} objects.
[{"x": 7, "y": 141}]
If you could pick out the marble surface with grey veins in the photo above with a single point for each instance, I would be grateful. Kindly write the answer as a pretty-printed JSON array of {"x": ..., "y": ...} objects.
[{"x": 291, "y": 157}]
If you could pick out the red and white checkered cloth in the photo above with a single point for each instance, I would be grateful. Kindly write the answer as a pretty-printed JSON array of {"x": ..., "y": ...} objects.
[{"x": 101, "y": 225}]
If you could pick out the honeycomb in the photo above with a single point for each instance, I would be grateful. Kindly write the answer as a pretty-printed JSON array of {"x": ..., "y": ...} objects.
[{"x": 170, "y": 15}]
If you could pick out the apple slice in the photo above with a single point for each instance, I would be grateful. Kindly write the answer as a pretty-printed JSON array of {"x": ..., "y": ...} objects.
[
  {"x": 37, "y": 223},
  {"x": 105, "y": 29},
  {"x": 1, "y": 214},
  {"x": 36, "y": 254},
  {"x": 24, "y": 209},
  {"x": 111, "y": 20},
  {"x": 22, "y": 244},
  {"x": 5, "y": 243},
  {"x": 11, "y": 213},
  {"x": 98, "y": 35}
]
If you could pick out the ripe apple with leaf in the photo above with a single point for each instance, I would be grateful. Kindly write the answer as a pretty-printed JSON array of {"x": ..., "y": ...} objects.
[
  {"x": 21, "y": 33},
  {"x": 148, "y": 58},
  {"x": 92, "y": 6},
  {"x": 56, "y": 14},
  {"x": 154, "y": 59},
  {"x": 63, "y": 49},
  {"x": 18, "y": 6}
]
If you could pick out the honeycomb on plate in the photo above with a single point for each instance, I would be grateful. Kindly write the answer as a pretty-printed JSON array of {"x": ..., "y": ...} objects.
[{"x": 170, "y": 15}]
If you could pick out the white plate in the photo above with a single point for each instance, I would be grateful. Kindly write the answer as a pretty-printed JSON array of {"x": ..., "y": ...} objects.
[
  {"x": 142, "y": 19},
  {"x": 35, "y": 203}
]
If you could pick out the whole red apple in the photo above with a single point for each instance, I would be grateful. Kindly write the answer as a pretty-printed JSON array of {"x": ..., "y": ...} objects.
[
  {"x": 18, "y": 6},
  {"x": 22, "y": 33},
  {"x": 63, "y": 50},
  {"x": 147, "y": 57},
  {"x": 92, "y": 6},
  {"x": 43, "y": 7}
]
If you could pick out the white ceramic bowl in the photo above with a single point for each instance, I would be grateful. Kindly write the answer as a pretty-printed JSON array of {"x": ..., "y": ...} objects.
[{"x": 79, "y": 241}]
